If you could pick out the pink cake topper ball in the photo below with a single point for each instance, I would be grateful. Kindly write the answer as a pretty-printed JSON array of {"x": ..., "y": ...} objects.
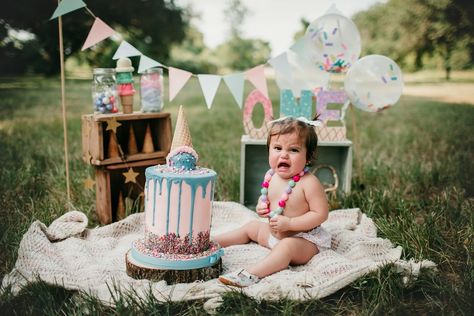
[{"x": 182, "y": 154}]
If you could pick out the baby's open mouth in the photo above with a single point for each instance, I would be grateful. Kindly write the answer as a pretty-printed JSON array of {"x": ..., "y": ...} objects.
[{"x": 283, "y": 165}]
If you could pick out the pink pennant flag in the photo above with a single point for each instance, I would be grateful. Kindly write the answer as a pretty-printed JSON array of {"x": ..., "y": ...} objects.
[
  {"x": 99, "y": 32},
  {"x": 177, "y": 80},
  {"x": 256, "y": 76}
]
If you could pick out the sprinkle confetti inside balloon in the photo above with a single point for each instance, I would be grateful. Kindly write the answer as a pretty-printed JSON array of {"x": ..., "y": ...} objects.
[
  {"x": 336, "y": 43},
  {"x": 374, "y": 83}
]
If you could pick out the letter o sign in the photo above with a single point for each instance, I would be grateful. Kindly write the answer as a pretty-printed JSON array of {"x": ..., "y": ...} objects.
[{"x": 254, "y": 98}]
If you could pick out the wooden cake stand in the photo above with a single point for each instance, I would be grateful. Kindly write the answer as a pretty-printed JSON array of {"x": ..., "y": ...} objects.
[{"x": 139, "y": 271}]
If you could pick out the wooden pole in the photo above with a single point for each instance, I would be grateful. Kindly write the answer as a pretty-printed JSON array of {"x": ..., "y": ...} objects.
[
  {"x": 356, "y": 143},
  {"x": 63, "y": 105}
]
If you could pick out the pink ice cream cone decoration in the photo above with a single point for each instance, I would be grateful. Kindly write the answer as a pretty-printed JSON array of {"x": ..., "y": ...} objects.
[{"x": 125, "y": 87}]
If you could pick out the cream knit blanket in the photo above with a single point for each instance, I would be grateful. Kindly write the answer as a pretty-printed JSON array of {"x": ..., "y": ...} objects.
[{"x": 93, "y": 260}]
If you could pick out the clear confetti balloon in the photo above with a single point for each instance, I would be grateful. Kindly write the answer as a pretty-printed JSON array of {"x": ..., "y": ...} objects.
[
  {"x": 304, "y": 75},
  {"x": 336, "y": 43},
  {"x": 374, "y": 83}
]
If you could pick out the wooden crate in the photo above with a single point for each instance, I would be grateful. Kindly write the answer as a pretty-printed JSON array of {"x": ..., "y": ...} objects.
[
  {"x": 110, "y": 182},
  {"x": 95, "y": 138},
  {"x": 254, "y": 164},
  {"x": 109, "y": 177}
]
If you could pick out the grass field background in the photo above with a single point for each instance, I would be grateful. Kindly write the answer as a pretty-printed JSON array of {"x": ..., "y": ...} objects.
[{"x": 415, "y": 179}]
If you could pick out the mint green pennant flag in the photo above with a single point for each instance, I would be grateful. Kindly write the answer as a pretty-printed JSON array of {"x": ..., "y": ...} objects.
[
  {"x": 66, "y": 6},
  {"x": 126, "y": 50},
  {"x": 147, "y": 63},
  {"x": 235, "y": 83},
  {"x": 209, "y": 85}
]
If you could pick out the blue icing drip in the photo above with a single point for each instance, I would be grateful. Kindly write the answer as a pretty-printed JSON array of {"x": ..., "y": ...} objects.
[
  {"x": 184, "y": 161},
  {"x": 161, "y": 182},
  {"x": 194, "y": 184},
  {"x": 193, "y": 194},
  {"x": 154, "y": 194},
  {"x": 154, "y": 202},
  {"x": 179, "y": 206},
  {"x": 168, "y": 187}
]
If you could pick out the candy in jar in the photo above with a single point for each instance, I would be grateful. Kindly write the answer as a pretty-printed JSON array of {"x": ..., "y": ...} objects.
[
  {"x": 151, "y": 90},
  {"x": 104, "y": 91}
]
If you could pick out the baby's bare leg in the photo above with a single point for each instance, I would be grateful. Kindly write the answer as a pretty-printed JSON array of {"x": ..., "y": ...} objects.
[
  {"x": 252, "y": 231},
  {"x": 292, "y": 250}
]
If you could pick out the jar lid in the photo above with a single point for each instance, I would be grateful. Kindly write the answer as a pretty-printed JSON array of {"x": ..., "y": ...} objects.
[
  {"x": 104, "y": 71},
  {"x": 152, "y": 70}
]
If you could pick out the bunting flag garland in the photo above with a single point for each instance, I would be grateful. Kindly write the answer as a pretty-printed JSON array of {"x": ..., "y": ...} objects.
[
  {"x": 99, "y": 32},
  {"x": 209, "y": 85},
  {"x": 177, "y": 77},
  {"x": 147, "y": 63},
  {"x": 256, "y": 76},
  {"x": 235, "y": 83},
  {"x": 177, "y": 80},
  {"x": 126, "y": 50},
  {"x": 66, "y": 6}
]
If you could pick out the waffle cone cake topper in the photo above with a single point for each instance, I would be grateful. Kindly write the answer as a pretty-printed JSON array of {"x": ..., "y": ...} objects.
[
  {"x": 182, "y": 136},
  {"x": 182, "y": 154}
]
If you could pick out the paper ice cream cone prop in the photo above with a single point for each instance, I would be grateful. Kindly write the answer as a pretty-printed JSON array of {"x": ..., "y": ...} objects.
[
  {"x": 182, "y": 136},
  {"x": 127, "y": 103},
  {"x": 112, "y": 150},
  {"x": 148, "y": 142},
  {"x": 120, "y": 207},
  {"x": 132, "y": 142}
]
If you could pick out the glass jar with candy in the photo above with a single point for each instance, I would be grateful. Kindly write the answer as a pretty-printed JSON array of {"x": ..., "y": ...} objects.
[
  {"x": 104, "y": 91},
  {"x": 151, "y": 90}
]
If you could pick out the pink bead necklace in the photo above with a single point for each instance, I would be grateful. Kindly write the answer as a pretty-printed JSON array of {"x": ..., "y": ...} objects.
[{"x": 286, "y": 193}]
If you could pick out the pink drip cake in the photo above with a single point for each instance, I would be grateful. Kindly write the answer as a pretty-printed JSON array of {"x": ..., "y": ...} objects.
[{"x": 178, "y": 203}]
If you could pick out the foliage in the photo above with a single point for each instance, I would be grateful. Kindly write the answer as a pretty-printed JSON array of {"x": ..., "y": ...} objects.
[
  {"x": 152, "y": 26},
  {"x": 192, "y": 54},
  {"x": 408, "y": 30},
  {"x": 236, "y": 12},
  {"x": 415, "y": 181},
  {"x": 240, "y": 53}
]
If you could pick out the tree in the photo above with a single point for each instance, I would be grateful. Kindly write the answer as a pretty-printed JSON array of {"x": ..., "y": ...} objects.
[
  {"x": 418, "y": 28},
  {"x": 150, "y": 25},
  {"x": 236, "y": 11},
  {"x": 240, "y": 53},
  {"x": 192, "y": 54}
]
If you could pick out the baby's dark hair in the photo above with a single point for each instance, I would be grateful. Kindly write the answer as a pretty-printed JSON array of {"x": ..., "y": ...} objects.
[{"x": 305, "y": 132}]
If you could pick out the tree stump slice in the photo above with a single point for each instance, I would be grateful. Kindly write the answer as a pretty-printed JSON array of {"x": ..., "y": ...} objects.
[{"x": 139, "y": 271}]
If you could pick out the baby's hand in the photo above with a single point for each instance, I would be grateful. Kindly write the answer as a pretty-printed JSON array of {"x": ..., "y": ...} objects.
[
  {"x": 280, "y": 224},
  {"x": 262, "y": 209}
]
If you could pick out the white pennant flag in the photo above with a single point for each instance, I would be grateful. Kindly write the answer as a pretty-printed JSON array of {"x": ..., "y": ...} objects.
[
  {"x": 147, "y": 63},
  {"x": 302, "y": 47},
  {"x": 209, "y": 85},
  {"x": 282, "y": 68},
  {"x": 235, "y": 83},
  {"x": 126, "y": 50}
]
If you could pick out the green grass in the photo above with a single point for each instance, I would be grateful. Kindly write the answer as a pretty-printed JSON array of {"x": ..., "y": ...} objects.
[{"x": 416, "y": 180}]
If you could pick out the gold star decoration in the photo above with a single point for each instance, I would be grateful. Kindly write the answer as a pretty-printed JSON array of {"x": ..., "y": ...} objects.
[
  {"x": 88, "y": 157},
  {"x": 130, "y": 176},
  {"x": 89, "y": 183},
  {"x": 112, "y": 125}
]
